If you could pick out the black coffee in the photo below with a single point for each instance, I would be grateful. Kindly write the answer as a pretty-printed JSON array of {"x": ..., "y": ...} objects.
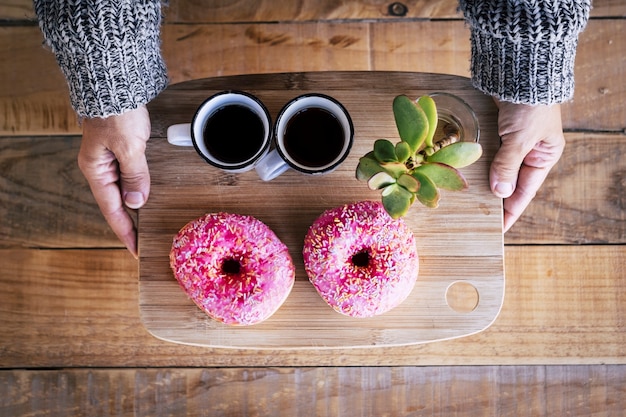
[
  {"x": 313, "y": 137},
  {"x": 233, "y": 134}
]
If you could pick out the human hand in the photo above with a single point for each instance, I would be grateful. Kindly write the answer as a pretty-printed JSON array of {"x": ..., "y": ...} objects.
[
  {"x": 532, "y": 143},
  {"x": 112, "y": 158}
]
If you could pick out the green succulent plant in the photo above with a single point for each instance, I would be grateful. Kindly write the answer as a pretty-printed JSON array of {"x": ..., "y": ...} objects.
[{"x": 418, "y": 166}]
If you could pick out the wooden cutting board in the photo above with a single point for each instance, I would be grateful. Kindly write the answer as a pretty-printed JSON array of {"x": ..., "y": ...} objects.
[{"x": 460, "y": 287}]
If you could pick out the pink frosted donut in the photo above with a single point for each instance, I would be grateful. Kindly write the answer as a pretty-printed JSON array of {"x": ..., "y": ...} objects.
[
  {"x": 360, "y": 260},
  {"x": 233, "y": 267}
]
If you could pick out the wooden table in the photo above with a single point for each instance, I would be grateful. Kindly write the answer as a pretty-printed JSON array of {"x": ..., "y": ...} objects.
[{"x": 72, "y": 341}]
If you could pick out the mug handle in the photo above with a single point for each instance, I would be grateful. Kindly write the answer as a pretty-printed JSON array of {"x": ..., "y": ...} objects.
[
  {"x": 271, "y": 166},
  {"x": 180, "y": 134}
]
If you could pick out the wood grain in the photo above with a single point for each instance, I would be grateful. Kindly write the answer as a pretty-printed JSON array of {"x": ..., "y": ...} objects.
[
  {"x": 78, "y": 308},
  {"x": 461, "y": 391},
  {"x": 268, "y": 11},
  {"x": 32, "y": 83},
  {"x": 564, "y": 303},
  {"x": 459, "y": 242},
  {"x": 414, "y": 46},
  {"x": 186, "y": 11},
  {"x": 584, "y": 198},
  {"x": 33, "y": 93},
  {"x": 598, "y": 99},
  {"x": 580, "y": 202},
  {"x": 45, "y": 200},
  {"x": 264, "y": 48},
  {"x": 17, "y": 10}
]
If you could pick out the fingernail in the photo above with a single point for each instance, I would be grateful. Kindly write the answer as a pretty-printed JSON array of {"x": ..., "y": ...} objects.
[
  {"x": 134, "y": 200},
  {"x": 503, "y": 189}
]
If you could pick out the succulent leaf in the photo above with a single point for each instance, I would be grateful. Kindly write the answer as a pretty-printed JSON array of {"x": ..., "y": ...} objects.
[
  {"x": 430, "y": 109},
  {"x": 380, "y": 180},
  {"x": 409, "y": 182},
  {"x": 396, "y": 200},
  {"x": 415, "y": 168},
  {"x": 395, "y": 169},
  {"x": 367, "y": 167},
  {"x": 443, "y": 176},
  {"x": 428, "y": 193},
  {"x": 458, "y": 155},
  {"x": 411, "y": 122},
  {"x": 385, "y": 151},
  {"x": 403, "y": 151}
]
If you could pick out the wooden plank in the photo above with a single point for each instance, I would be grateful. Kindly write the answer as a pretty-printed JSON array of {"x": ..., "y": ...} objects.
[
  {"x": 236, "y": 49},
  {"x": 442, "y": 391},
  {"x": 32, "y": 84},
  {"x": 461, "y": 241},
  {"x": 33, "y": 92},
  {"x": 441, "y": 47},
  {"x": 599, "y": 97},
  {"x": 264, "y": 48},
  {"x": 584, "y": 198},
  {"x": 184, "y": 11},
  {"x": 17, "y": 10},
  {"x": 268, "y": 11},
  {"x": 79, "y": 308},
  {"x": 44, "y": 199},
  {"x": 46, "y": 202}
]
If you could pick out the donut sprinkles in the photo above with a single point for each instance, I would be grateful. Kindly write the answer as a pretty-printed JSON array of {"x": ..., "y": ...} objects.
[
  {"x": 233, "y": 267},
  {"x": 362, "y": 262}
]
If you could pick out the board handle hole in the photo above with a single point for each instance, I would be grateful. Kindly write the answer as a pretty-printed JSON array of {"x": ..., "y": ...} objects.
[{"x": 462, "y": 297}]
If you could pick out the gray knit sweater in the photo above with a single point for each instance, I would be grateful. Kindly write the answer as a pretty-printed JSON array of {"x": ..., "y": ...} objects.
[
  {"x": 523, "y": 50},
  {"x": 109, "y": 50}
]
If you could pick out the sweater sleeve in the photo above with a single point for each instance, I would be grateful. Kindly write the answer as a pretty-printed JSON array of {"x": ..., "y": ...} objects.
[
  {"x": 108, "y": 50},
  {"x": 523, "y": 51}
]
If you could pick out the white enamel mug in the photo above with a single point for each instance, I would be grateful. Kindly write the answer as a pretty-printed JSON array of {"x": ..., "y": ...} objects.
[
  {"x": 313, "y": 135},
  {"x": 231, "y": 130}
]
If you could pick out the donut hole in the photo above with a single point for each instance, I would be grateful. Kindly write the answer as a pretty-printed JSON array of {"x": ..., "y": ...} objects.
[
  {"x": 231, "y": 266},
  {"x": 361, "y": 259}
]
